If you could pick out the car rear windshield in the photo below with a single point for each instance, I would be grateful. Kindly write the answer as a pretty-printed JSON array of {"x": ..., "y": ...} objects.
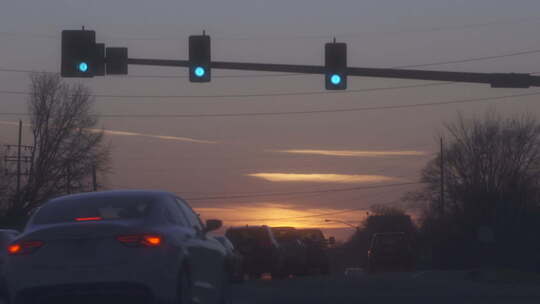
[
  {"x": 100, "y": 208},
  {"x": 240, "y": 235},
  {"x": 312, "y": 234},
  {"x": 285, "y": 235},
  {"x": 388, "y": 241}
]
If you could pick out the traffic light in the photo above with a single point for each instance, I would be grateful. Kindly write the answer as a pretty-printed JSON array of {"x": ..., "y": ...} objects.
[
  {"x": 81, "y": 56},
  {"x": 199, "y": 58},
  {"x": 335, "y": 61},
  {"x": 117, "y": 61}
]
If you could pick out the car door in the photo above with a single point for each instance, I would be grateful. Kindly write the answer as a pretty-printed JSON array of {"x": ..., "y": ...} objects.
[
  {"x": 184, "y": 236},
  {"x": 208, "y": 258}
]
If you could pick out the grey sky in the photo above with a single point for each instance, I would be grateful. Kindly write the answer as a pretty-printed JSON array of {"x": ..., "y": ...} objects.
[{"x": 379, "y": 34}]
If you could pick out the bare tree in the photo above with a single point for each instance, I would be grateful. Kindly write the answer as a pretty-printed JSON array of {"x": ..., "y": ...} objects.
[
  {"x": 492, "y": 170},
  {"x": 67, "y": 145},
  {"x": 492, "y": 179}
]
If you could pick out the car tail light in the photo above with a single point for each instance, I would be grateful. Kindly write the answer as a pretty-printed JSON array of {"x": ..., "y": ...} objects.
[
  {"x": 141, "y": 240},
  {"x": 24, "y": 247},
  {"x": 83, "y": 219}
]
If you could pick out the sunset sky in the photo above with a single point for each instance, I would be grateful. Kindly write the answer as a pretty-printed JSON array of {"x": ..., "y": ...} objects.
[{"x": 276, "y": 169}]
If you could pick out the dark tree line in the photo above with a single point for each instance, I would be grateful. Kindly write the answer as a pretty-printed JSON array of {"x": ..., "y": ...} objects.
[
  {"x": 491, "y": 211},
  {"x": 491, "y": 206}
]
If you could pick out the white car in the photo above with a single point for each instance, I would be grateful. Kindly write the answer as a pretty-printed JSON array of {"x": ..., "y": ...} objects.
[{"x": 131, "y": 247}]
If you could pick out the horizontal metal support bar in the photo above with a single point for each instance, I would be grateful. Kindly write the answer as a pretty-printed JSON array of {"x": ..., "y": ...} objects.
[
  {"x": 159, "y": 62},
  {"x": 506, "y": 80},
  {"x": 268, "y": 67}
]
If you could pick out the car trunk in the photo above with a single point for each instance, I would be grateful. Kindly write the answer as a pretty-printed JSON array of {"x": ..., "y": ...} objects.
[{"x": 87, "y": 244}]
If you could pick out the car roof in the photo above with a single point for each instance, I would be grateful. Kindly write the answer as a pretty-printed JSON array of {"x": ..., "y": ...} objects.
[
  {"x": 388, "y": 233},
  {"x": 111, "y": 193},
  {"x": 247, "y": 227},
  {"x": 8, "y": 231}
]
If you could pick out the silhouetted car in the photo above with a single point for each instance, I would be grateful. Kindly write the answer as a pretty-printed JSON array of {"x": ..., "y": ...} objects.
[
  {"x": 390, "y": 251},
  {"x": 294, "y": 252},
  {"x": 317, "y": 250},
  {"x": 116, "y": 246},
  {"x": 259, "y": 248},
  {"x": 234, "y": 260}
]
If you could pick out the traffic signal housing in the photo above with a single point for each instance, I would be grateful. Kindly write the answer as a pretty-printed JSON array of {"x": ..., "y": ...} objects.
[
  {"x": 81, "y": 56},
  {"x": 199, "y": 58},
  {"x": 335, "y": 61},
  {"x": 117, "y": 60}
]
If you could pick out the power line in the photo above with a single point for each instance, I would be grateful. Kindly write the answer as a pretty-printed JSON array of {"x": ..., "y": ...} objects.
[
  {"x": 9, "y": 70},
  {"x": 431, "y": 84},
  {"x": 350, "y": 34},
  {"x": 306, "y": 216},
  {"x": 519, "y": 53},
  {"x": 296, "y": 217},
  {"x": 299, "y": 192},
  {"x": 343, "y": 110}
]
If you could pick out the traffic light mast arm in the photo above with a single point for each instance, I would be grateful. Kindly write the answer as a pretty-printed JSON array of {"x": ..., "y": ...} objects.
[{"x": 508, "y": 80}]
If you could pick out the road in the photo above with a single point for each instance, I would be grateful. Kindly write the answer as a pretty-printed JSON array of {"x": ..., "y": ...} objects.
[{"x": 418, "y": 287}]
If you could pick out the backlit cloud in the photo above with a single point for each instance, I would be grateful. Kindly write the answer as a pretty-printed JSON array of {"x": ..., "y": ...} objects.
[
  {"x": 323, "y": 178},
  {"x": 281, "y": 214},
  {"x": 353, "y": 153}
]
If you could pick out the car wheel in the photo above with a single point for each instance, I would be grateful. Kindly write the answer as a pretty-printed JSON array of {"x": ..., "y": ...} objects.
[
  {"x": 184, "y": 291},
  {"x": 370, "y": 269}
]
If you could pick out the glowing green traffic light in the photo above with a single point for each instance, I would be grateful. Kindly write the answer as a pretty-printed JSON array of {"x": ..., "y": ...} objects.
[
  {"x": 199, "y": 71},
  {"x": 83, "y": 67},
  {"x": 335, "y": 79}
]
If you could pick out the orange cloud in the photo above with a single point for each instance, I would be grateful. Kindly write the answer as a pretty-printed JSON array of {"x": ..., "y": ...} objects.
[
  {"x": 353, "y": 153},
  {"x": 275, "y": 215},
  {"x": 322, "y": 178}
]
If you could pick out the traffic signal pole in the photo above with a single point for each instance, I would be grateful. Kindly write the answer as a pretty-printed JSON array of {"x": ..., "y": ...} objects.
[
  {"x": 83, "y": 57},
  {"x": 497, "y": 80}
]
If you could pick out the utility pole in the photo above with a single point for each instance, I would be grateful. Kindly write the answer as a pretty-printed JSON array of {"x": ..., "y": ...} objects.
[
  {"x": 68, "y": 179},
  {"x": 442, "y": 178},
  {"x": 20, "y": 155},
  {"x": 19, "y": 163},
  {"x": 94, "y": 178}
]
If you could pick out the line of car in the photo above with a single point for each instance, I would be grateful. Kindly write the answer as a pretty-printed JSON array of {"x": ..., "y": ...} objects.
[
  {"x": 279, "y": 251},
  {"x": 140, "y": 246}
]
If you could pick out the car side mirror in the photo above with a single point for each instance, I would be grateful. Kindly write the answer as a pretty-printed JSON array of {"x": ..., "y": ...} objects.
[
  {"x": 332, "y": 240},
  {"x": 212, "y": 225}
]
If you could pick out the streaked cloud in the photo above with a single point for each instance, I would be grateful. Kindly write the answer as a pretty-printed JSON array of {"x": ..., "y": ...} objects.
[
  {"x": 164, "y": 137},
  {"x": 125, "y": 133},
  {"x": 323, "y": 178},
  {"x": 353, "y": 153},
  {"x": 10, "y": 123}
]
